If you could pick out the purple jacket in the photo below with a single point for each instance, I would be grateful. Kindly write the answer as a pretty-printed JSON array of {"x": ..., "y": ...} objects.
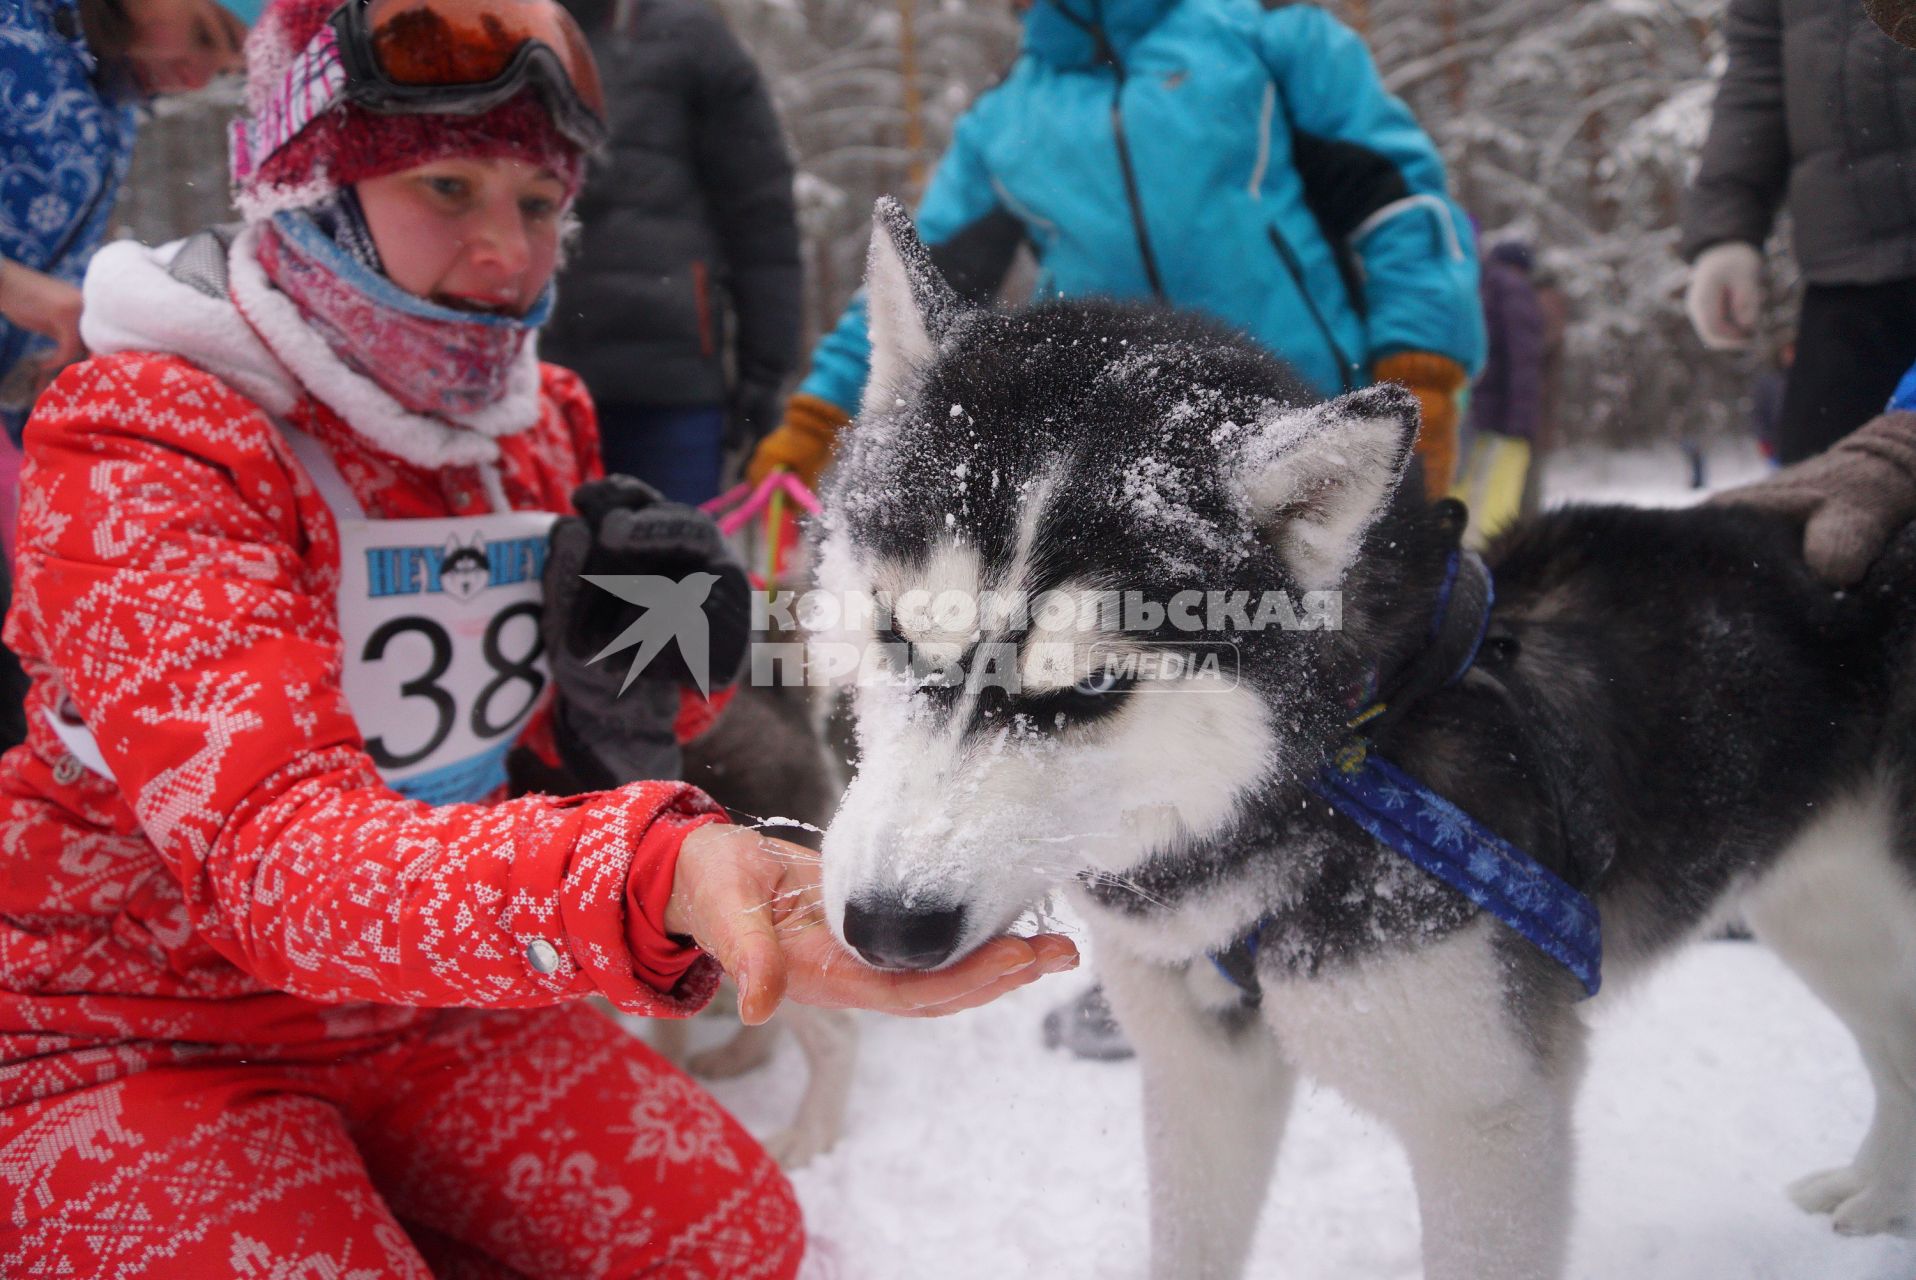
[{"x": 1508, "y": 398}]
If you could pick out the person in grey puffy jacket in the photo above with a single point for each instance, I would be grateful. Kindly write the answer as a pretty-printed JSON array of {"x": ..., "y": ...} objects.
[
  {"x": 1853, "y": 499},
  {"x": 681, "y": 303},
  {"x": 1817, "y": 107}
]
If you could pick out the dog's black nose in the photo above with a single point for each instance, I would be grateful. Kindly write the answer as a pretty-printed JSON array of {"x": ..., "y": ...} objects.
[{"x": 893, "y": 936}]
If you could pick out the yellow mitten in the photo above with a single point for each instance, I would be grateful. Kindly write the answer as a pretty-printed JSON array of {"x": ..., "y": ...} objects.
[
  {"x": 802, "y": 443},
  {"x": 1435, "y": 380}
]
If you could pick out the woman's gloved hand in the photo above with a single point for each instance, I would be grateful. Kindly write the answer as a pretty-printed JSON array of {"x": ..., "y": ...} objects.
[
  {"x": 1725, "y": 297},
  {"x": 1851, "y": 498},
  {"x": 803, "y": 442},
  {"x": 665, "y": 582},
  {"x": 1436, "y": 381}
]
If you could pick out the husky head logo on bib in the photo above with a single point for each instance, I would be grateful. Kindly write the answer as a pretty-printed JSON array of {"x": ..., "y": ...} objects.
[{"x": 464, "y": 572}]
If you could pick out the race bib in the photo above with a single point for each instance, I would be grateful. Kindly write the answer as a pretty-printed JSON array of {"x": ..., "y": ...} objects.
[{"x": 444, "y": 661}]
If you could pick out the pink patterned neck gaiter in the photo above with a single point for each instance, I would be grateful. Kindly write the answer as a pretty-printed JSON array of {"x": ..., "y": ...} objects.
[{"x": 431, "y": 359}]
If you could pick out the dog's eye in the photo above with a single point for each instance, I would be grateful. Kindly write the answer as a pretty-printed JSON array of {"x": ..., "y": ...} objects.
[{"x": 1093, "y": 698}]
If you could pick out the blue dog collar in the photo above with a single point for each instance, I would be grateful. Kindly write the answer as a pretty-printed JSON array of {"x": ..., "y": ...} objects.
[{"x": 1412, "y": 820}]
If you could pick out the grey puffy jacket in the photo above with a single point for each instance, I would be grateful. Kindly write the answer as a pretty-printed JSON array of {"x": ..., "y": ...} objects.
[
  {"x": 688, "y": 225},
  {"x": 1818, "y": 106}
]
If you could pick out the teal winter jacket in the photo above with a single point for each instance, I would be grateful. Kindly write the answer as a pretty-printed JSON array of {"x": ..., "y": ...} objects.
[{"x": 1224, "y": 158}]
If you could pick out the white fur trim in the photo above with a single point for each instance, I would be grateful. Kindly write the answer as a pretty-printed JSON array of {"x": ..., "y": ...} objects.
[
  {"x": 260, "y": 201},
  {"x": 132, "y": 303},
  {"x": 367, "y": 408}
]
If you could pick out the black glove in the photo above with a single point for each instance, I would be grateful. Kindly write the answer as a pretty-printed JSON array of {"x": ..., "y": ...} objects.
[
  {"x": 665, "y": 579},
  {"x": 756, "y": 408}
]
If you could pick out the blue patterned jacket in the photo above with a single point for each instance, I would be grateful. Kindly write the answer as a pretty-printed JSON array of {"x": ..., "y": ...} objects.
[{"x": 66, "y": 139}]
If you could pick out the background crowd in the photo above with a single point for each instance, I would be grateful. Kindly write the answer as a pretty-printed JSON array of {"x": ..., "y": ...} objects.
[{"x": 1570, "y": 140}]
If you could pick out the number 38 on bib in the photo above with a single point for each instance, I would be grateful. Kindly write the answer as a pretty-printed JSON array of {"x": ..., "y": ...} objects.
[{"x": 444, "y": 662}]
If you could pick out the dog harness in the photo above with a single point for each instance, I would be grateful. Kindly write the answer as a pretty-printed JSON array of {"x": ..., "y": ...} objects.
[{"x": 1439, "y": 838}]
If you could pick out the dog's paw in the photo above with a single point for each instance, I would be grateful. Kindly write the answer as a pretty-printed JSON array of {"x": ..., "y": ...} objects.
[
  {"x": 801, "y": 1144},
  {"x": 1822, "y": 1192},
  {"x": 1857, "y": 1206},
  {"x": 747, "y": 1051},
  {"x": 1875, "y": 1211}
]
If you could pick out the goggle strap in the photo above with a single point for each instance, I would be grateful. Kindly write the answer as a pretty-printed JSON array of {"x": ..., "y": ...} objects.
[
  {"x": 313, "y": 83},
  {"x": 239, "y": 138}
]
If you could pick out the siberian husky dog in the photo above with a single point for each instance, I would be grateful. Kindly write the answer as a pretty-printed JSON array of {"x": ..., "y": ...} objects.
[{"x": 1662, "y": 714}]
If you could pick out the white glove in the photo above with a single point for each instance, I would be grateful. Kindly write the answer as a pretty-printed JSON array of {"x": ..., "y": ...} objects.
[{"x": 1726, "y": 295}]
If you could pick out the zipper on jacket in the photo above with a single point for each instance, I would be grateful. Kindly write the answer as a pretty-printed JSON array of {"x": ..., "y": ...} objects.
[
  {"x": 1296, "y": 270},
  {"x": 1131, "y": 192},
  {"x": 702, "y": 301},
  {"x": 1109, "y": 56}
]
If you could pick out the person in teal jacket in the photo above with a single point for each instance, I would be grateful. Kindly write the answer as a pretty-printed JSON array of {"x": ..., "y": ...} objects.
[{"x": 1216, "y": 156}]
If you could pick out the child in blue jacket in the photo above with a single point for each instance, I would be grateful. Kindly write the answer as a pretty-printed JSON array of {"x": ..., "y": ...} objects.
[{"x": 1216, "y": 156}]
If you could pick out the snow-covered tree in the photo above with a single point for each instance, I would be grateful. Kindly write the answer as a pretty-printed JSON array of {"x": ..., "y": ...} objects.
[
  {"x": 868, "y": 93},
  {"x": 1574, "y": 126}
]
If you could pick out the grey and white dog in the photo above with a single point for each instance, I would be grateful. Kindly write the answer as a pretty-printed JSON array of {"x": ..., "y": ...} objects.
[{"x": 1665, "y": 709}]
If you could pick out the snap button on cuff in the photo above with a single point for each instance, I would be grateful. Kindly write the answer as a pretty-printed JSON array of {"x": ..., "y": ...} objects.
[{"x": 542, "y": 956}]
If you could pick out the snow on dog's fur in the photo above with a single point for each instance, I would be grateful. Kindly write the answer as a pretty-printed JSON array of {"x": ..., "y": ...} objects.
[{"x": 1667, "y": 710}]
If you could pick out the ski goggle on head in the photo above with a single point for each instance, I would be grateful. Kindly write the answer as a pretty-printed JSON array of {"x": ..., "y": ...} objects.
[{"x": 431, "y": 57}]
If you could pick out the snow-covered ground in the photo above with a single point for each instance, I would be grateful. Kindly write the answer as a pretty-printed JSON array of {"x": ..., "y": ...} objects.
[
  {"x": 974, "y": 1153},
  {"x": 1646, "y": 477}
]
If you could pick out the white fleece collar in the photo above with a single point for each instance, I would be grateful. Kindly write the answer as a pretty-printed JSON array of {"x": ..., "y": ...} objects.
[
  {"x": 132, "y": 302},
  {"x": 260, "y": 345}
]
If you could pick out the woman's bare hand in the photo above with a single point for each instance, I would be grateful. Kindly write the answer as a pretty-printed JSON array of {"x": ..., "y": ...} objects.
[
  {"x": 41, "y": 304},
  {"x": 753, "y": 902}
]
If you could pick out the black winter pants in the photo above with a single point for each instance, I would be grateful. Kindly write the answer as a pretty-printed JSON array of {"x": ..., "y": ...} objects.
[{"x": 1853, "y": 345}]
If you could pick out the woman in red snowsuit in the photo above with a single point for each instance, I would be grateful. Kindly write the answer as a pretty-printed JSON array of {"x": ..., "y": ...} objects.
[{"x": 286, "y": 986}]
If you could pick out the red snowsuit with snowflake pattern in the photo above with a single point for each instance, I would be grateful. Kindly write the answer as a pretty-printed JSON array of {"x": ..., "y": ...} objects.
[{"x": 259, "y": 1014}]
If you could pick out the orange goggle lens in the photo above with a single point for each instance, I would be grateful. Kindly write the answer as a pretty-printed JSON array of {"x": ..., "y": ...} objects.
[{"x": 457, "y": 43}]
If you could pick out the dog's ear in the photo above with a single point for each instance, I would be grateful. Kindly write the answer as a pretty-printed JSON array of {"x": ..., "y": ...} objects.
[
  {"x": 1314, "y": 479},
  {"x": 910, "y": 305}
]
